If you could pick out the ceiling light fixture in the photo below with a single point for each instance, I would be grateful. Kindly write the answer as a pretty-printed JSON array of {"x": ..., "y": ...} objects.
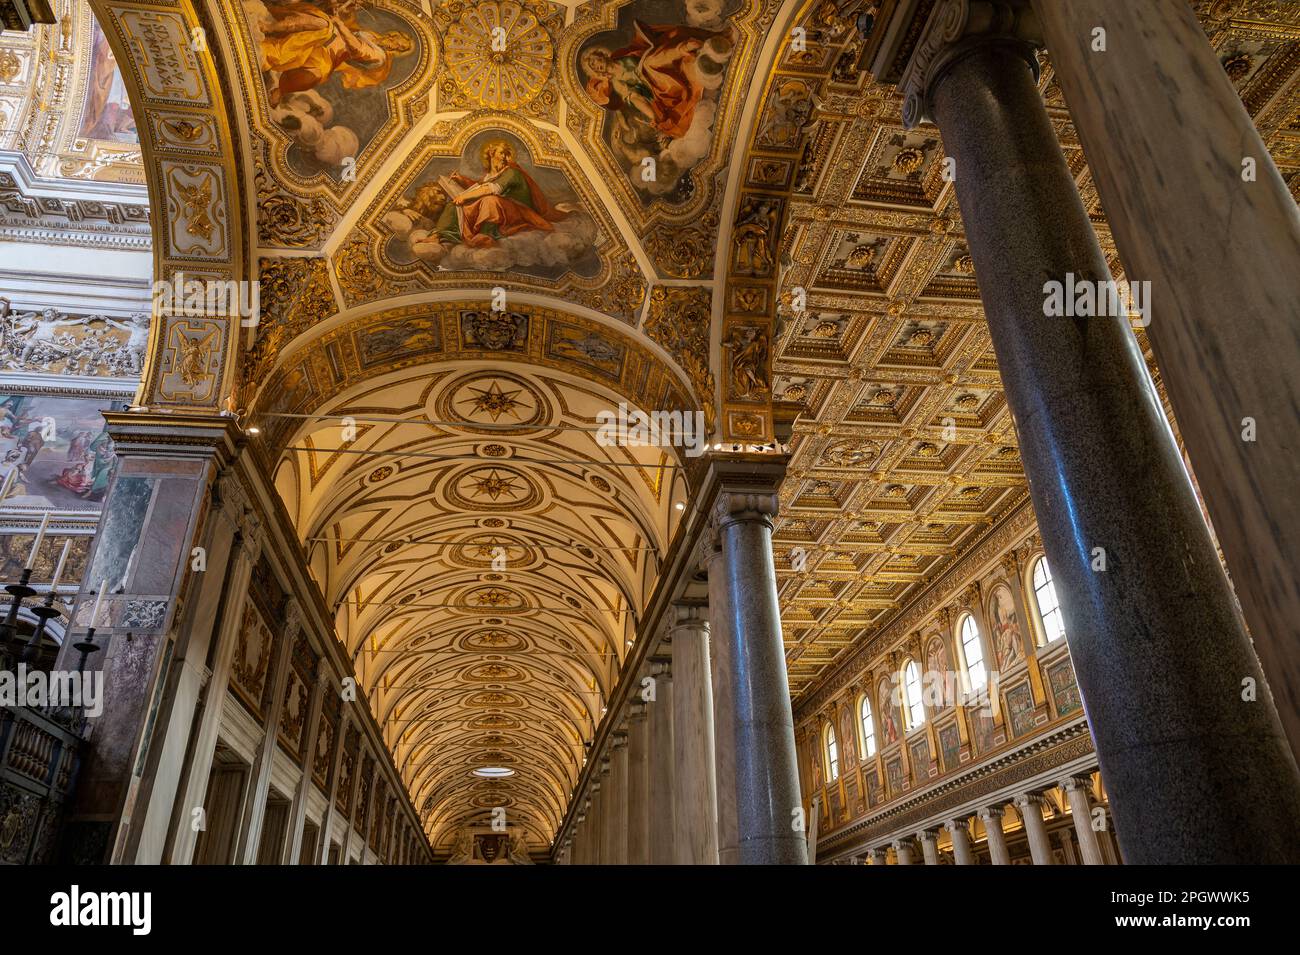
[{"x": 493, "y": 772}]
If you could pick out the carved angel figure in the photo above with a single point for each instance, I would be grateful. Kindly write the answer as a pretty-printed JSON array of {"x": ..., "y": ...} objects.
[{"x": 748, "y": 346}]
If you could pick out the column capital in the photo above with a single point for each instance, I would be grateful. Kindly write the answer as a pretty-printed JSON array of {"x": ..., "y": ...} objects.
[
  {"x": 961, "y": 822},
  {"x": 688, "y": 614},
  {"x": 1025, "y": 800},
  {"x": 917, "y": 60},
  {"x": 928, "y": 835},
  {"x": 618, "y": 740},
  {"x": 708, "y": 548},
  {"x": 988, "y": 813},
  {"x": 904, "y": 842},
  {"x": 744, "y": 504},
  {"x": 1010, "y": 563},
  {"x": 1073, "y": 783}
]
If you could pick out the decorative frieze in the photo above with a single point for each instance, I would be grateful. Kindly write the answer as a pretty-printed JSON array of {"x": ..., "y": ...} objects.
[{"x": 53, "y": 343}]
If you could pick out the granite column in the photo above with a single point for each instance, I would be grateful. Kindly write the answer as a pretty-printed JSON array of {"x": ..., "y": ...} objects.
[
  {"x": 1158, "y": 647},
  {"x": 1199, "y": 210},
  {"x": 756, "y": 712}
]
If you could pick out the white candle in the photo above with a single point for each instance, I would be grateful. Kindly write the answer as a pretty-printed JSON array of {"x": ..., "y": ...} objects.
[
  {"x": 99, "y": 599},
  {"x": 58, "y": 571},
  {"x": 36, "y": 544}
]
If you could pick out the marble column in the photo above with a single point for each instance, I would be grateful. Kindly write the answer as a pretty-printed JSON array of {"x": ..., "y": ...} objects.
[
  {"x": 1158, "y": 647},
  {"x": 929, "y": 845},
  {"x": 597, "y": 816},
  {"x": 760, "y": 725},
  {"x": 1076, "y": 792},
  {"x": 616, "y": 808},
  {"x": 959, "y": 832},
  {"x": 1030, "y": 807},
  {"x": 169, "y": 764},
  {"x": 153, "y": 515},
  {"x": 695, "y": 795},
  {"x": 662, "y": 771},
  {"x": 638, "y": 786},
  {"x": 582, "y": 840},
  {"x": 724, "y": 731},
  {"x": 876, "y": 857},
  {"x": 1168, "y": 140},
  {"x": 903, "y": 851},
  {"x": 991, "y": 816}
]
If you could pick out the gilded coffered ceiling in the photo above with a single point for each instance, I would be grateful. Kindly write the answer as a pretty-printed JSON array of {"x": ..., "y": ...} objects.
[{"x": 906, "y": 454}]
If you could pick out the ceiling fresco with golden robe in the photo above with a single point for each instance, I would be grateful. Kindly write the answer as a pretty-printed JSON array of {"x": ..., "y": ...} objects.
[{"x": 574, "y": 153}]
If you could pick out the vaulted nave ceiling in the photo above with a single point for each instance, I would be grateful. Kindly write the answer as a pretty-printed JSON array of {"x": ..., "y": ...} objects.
[
  {"x": 474, "y": 427},
  {"x": 487, "y": 557},
  {"x": 712, "y": 206}
]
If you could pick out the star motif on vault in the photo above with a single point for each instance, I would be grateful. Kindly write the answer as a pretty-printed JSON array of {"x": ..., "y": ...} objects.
[
  {"x": 492, "y": 598},
  {"x": 495, "y": 485},
  {"x": 493, "y": 401}
]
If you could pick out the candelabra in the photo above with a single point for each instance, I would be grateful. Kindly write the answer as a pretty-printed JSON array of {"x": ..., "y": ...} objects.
[
  {"x": 11, "y": 652},
  {"x": 18, "y": 591},
  {"x": 45, "y": 612}
]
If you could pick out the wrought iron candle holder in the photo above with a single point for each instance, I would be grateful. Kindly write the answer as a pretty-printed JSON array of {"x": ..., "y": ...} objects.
[
  {"x": 19, "y": 592},
  {"x": 45, "y": 612},
  {"x": 86, "y": 647}
]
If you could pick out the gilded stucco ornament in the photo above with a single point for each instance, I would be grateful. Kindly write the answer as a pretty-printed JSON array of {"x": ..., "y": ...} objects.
[
  {"x": 290, "y": 221},
  {"x": 684, "y": 251},
  {"x": 679, "y": 321},
  {"x": 295, "y": 295},
  {"x": 499, "y": 53},
  {"x": 749, "y": 362}
]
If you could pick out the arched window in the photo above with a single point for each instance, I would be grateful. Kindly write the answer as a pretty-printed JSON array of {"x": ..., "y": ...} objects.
[
  {"x": 912, "y": 694},
  {"x": 868, "y": 728},
  {"x": 832, "y": 754},
  {"x": 1049, "y": 611},
  {"x": 972, "y": 651}
]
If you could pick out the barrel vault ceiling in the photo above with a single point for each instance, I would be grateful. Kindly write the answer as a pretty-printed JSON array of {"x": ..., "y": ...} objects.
[
  {"x": 723, "y": 213},
  {"x": 486, "y": 558}
]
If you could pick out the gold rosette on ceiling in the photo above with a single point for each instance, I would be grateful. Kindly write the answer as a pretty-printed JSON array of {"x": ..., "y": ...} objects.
[{"x": 499, "y": 54}]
